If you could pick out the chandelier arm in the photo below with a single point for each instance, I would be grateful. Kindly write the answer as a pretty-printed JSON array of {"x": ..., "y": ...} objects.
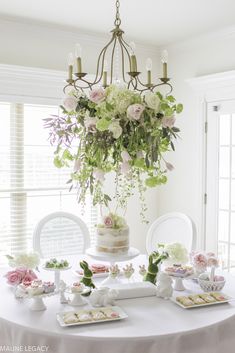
[
  {"x": 164, "y": 84},
  {"x": 103, "y": 51},
  {"x": 89, "y": 84},
  {"x": 123, "y": 60},
  {"x": 112, "y": 58},
  {"x": 64, "y": 89},
  {"x": 123, "y": 45}
]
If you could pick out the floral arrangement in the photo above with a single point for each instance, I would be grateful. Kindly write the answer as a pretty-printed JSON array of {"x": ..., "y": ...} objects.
[
  {"x": 114, "y": 130},
  {"x": 113, "y": 221},
  {"x": 20, "y": 275},
  {"x": 25, "y": 260},
  {"x": 201, "y": 261},
  {"x": 177, "y": 253}
]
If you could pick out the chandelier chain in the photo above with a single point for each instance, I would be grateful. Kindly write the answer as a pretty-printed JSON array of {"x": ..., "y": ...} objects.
[{"x": 117, "y": 21}]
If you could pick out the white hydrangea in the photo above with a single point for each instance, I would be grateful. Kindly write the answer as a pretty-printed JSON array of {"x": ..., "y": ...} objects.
[
  {"x": 27, "y": 260},
  {"x": 178, "y": 254}
]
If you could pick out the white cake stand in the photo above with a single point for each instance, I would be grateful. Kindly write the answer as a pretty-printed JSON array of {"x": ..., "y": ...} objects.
[
  {"x": 57, "y": 274},
  {"x": 112, "y": 259}
]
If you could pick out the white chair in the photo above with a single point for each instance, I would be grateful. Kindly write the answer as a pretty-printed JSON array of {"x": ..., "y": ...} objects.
[
  {"x": 171, "y": 228},
  {"x": 60, "y": 234}
]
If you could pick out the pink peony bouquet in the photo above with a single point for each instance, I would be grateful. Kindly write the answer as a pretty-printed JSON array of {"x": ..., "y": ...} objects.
[
  {"x": 20, "y": 275},
  {"x": 201, "y": 261}
]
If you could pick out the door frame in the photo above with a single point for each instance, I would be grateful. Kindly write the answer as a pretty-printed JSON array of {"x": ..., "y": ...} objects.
[{"x": 208, "y": 89}]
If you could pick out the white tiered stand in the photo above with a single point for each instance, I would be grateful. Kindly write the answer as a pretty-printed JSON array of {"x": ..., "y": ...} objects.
[{"x": 112, "y": 259}]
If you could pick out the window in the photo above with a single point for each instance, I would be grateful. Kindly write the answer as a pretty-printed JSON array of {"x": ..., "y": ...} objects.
[
  {"x": 30, "y": 185},
  {"x": 220, "y": 220}
]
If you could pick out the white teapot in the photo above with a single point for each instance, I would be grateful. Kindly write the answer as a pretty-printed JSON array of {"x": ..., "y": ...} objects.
[{"x": 103, "y": 296}]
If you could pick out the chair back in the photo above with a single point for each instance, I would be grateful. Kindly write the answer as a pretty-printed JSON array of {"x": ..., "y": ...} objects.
[
  {"x": 171, "y": 228},
  {"x": 59, "y": 234}
]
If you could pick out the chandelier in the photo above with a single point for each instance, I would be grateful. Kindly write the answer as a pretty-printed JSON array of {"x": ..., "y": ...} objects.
[{"x": 105, "y": 74}]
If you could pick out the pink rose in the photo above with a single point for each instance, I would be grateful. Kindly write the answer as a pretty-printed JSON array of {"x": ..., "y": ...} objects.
[
  {"x": 134, "y": 111},
  {"x": 99, "y": 175},
  {"x": 212, "y": 262},
  {"x": 125, "y": 167},
  {"x": 14, "y": 277},
  {"x": 97, "y": 95},
  {"x": 30, "y": 276},
  {"x": 199, "y": 261},
  {"x": 169, "y": 166},
  {"x": 125, "y": 156},
  {"x": 70, "y": 104},
  {"x": 168, "y": 121},
  {"x": 210, "y": 254},
  {"x": 108, "y": 222}
]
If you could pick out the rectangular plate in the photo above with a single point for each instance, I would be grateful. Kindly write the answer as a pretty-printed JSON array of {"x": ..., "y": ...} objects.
[
  {"x": 95, "y": 275},
  {"x": 202, "y": 305},
  {"x": 122, "y": 315}
]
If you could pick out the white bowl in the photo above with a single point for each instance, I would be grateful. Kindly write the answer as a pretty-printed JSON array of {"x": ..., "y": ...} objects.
[{"x": 209, "y": 286}]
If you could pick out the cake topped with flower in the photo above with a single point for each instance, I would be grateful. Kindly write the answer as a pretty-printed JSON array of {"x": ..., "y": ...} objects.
[
  {"x": 112, "y": 235},
  {"x": 114, "y": 221}
]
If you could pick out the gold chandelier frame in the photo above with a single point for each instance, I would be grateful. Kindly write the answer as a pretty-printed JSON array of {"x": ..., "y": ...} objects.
[{"x": 131, "y": 78}]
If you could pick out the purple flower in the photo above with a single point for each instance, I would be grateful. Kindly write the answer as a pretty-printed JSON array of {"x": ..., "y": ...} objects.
[{"x": 169, "y": 166}]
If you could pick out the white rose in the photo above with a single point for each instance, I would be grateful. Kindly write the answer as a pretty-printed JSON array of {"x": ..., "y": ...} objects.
[
  {"x": 90, "y": 123},
  {"x": 152, "y": 101},
  {"x": 116, "y": 129}
]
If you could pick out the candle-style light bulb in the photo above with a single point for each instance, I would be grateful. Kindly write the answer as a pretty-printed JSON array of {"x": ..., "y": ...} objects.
[
  {"x": 132, "y": 48},
  {"x": 70, "y": 59},
  {"x": 164, "y": 59},
  {"x": 164, "y": 56},
  {"x": 78, "y": 55},
  {"x": 105, "y": 68},
  {"x": 149, "y": 65},
  {"x": 133, "y": 67},
  {"x": 70, "y": 65},
  {"x": 78, "y": 50}
]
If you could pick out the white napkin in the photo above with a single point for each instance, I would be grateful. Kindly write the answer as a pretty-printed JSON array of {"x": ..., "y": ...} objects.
[{"x": 134, "y": 290}]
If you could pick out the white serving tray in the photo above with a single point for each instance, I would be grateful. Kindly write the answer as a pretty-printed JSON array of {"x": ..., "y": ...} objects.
[
  {"x": 95, "y": 275},
  {"x": 173, "y": 299},
  {"x": 122, "y": 315}
]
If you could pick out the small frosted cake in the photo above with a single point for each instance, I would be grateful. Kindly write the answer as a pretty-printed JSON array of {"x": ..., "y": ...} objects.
[
  {"x": 77, "y": 287},
  {"x": 112, "y": 235}
]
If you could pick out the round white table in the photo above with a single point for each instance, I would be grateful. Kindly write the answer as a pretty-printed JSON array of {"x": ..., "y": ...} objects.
[{"x": 154, "y": 325}]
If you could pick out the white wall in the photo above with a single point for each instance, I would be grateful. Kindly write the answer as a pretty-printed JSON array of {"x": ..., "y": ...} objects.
[
  {"x": 202, "y": 56},
  {"x": 47, "y": 47}
]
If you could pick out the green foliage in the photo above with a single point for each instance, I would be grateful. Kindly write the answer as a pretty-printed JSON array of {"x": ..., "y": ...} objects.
[{"x": 103, "y": 131}]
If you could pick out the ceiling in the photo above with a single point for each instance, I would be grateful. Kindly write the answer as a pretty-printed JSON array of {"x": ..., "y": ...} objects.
[{"x": 157, "y": 22}]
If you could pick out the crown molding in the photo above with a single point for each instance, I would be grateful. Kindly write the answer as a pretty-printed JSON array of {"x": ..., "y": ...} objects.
[
  {"x": 219, "y": 86},
  {"x": 203, "y": 40},
  {"x": 97, "y": 40},
  {"x": 29, "y": 84}
]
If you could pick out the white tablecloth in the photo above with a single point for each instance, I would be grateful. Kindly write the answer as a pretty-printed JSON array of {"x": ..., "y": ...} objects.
[{"x": 153, "y": 325}]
